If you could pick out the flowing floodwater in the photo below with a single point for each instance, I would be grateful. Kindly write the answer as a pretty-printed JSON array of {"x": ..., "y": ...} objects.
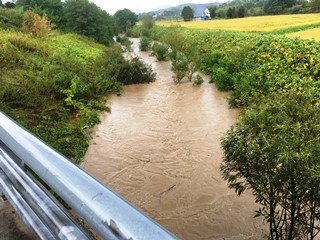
[{"x": 160, "y": 149}]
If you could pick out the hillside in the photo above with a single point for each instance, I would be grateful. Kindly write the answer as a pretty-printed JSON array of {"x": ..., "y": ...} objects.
[
  {"x": 52, "y": 87},
  {"x": 246, "y": 3},
  {"x": 181, "y": 6},
  {"x": 243, "y": 8},
  {"x": 175, "y": 12}
]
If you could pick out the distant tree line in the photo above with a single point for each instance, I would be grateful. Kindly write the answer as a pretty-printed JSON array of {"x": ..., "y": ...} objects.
[
  {"x": 7, "y": 4},
  {"x": 240, "y": 8},
  {"x": 243, "y": 8},
  {"x": 78, "y": 16},
  {"x": 232, "y": 12}
]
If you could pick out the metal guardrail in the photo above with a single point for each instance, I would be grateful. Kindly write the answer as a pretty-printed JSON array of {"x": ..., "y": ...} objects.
[{"x": 108, "y": 214}]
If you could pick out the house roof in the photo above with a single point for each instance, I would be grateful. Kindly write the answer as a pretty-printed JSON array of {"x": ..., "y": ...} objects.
[{"x": 198, "y": 11}]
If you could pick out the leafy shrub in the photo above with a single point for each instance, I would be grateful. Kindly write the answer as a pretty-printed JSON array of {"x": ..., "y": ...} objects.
[
  {"x": 147, "y": 21},
  {"x": 67, "y": 137},
  {"x": 145, "y": 32},
  {"x": 274, "y": 152},
  {"x": 134, "y": 32},
  {"x": 178, "y": 42},
  {"x": 179, "y": 67},
  {"x": 125, "y": 42},
  {"x": 88, "y": 117},
  {"x": 198, "y": 80},
  {"x": 145, "y": 43},
  {"x": 119, "y": 70},
  {"x": 182, "y": 67},
  {"x": 135, "y": 71},
  {"x": 11, "y": 18},
  {"x": 222, "y": 79},
  {"x": 36, "y": 25},
  {"x": 160, "y": 51},
  {"x": 182, "y": 51},
  {"x": 210, "y": 60}
]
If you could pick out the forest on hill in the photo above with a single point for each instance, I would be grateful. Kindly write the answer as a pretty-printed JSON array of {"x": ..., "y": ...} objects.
[{"x": 241, "y": 8}]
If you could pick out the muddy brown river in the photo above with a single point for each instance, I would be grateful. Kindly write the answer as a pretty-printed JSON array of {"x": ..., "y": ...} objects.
[{"x": 159, "y": 148}]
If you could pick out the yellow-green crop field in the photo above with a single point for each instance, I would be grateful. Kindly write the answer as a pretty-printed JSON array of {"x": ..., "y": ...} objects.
[
  {"x": 307, "y": 34},
  {"x": 251, "y": 24}
]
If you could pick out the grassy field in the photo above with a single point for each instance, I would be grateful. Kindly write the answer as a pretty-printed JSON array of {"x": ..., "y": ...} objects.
[
  {"x": 251, "y": 24},
  {"x": 308, "y": 34}
]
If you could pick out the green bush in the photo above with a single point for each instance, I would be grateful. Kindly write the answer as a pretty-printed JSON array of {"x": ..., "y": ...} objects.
[
  {"x": 182, "y": 51},
  {"x": 251, "y": 66},
  {"x": 145, "y": 32},
  {"x": 173, "y": 37},
  {"x": 198, "y": 81},
  {"x": 160, "y": 51},
  {"x": 11, "y": 18},
  {"x": 147, "y": 22},
  {"x": 126, "y": 43},
  {"x": 179, "y": 66},
  {"x": 145, "y": 43},
  {"x": 222, "y": 79},
  {"x": 274, "y": 151},
  {"x": 134, "y": 32},
  {"x": 135, "y": 71}
]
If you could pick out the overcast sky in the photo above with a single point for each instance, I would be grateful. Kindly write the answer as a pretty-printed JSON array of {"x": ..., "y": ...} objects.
[{"x": 138, "y": 6}]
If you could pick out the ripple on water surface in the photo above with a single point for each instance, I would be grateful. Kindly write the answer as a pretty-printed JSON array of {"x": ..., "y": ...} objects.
[{"x": 160, "y": 149}]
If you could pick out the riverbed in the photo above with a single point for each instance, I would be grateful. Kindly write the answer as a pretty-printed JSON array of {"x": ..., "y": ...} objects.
[{"x": 159, "y": 148}]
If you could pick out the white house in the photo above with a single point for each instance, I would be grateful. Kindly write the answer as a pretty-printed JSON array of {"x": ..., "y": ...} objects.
[{"x": 201, "y": 13}]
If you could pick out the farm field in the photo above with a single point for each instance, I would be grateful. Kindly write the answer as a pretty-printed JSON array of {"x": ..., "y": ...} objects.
[
  {"x": 307, "y": 34},
  {"x": 251, "y": 24}
]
